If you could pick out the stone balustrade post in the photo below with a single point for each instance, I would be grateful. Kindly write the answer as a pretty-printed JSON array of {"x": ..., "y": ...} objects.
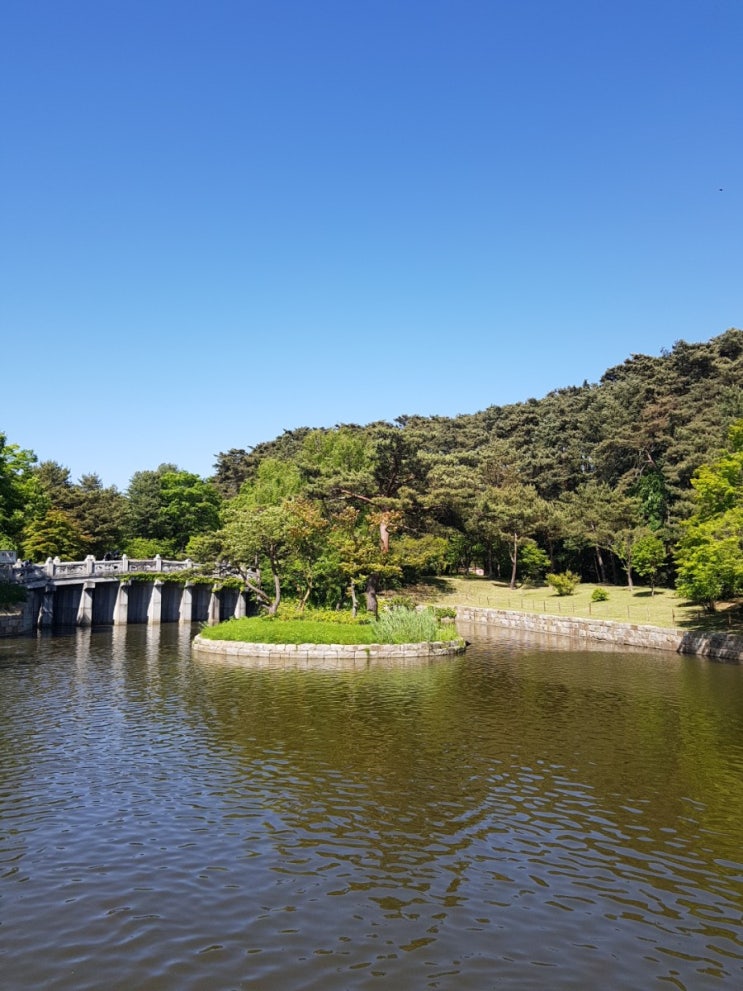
[
  {"x": 89, "y": 565},
  {"x": 214, "y": 610},
  {"x": 124, "y": 564},
  {"x": 46, "y": 612},
  {"x": 158, "y": 563},
  {"x": 121, "y": 606},
  {"x": 154, "y": 610},
  {"x": 185, "y": 613},
  {"x": 240, "y": 605},
  {"x": 49, "y": 567},
  {"x": 85, "y": 609}
]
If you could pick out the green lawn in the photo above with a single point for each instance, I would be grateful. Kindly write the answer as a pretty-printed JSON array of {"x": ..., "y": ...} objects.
[
  {"x": 262, "y": 629},
  {"x": 664, "y": 609}
]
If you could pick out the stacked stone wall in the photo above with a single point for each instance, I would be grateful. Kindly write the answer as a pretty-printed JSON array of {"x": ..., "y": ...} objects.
[
  {"x": 719, "y": 646},
  {"x": 308, "y": 655}
]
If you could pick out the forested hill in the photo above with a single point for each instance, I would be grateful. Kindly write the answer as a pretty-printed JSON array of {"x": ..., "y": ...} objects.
[
  {"x": 643, "y": 430},
  {"x": 591, "y": 479}
]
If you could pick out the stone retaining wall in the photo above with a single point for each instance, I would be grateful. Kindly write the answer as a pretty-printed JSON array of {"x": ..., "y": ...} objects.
[
  {"x": 18, "y": 620},
  {"x": 309, "y": 655},
  {"x": 719, "y": 646}
]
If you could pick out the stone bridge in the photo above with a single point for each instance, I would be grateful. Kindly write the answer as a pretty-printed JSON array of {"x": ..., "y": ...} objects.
[{"x": 125, "y": 590}]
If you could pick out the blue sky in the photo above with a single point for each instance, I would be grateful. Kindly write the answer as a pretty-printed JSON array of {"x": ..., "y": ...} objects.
[{"x": 224, "y": 219}]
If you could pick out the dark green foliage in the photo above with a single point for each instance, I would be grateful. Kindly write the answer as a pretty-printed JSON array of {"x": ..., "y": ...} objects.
[
  {"x": 11, "y": 594},
  {"x": 169, "y": 507}
]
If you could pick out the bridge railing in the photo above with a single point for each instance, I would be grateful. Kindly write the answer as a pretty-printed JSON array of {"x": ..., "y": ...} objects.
[{"x": 26, "y": 573}]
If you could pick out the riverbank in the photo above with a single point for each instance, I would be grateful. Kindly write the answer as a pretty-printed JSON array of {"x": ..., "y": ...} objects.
[
  {"x": 665, "y": 609},
  {"x": 718, "y": 646}
]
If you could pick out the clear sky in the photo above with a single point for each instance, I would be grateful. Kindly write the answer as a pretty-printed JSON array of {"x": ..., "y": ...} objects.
[{"x": 221, "y": 219}]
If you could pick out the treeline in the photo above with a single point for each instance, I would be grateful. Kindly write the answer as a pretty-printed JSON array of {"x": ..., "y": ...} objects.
[{"x": 599, "y": 479}]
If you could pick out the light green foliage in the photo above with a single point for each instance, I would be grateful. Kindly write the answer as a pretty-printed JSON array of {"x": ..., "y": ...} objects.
[
  {"x": 205, "y": 548},
  {"x": 599, "y": 595},
  {"x": 19, "y": 492},
  {"x": 396, "y": 626},
  {"x": 564, "y": 583},
  {"x": 418, "y": 556},
  {"x": 55, "y": 534},
  {"x": 624, "y": 544},
  {"x": 344, "y": 451},
  {"x": 141, "y": 548},
  {"x": 533, "y": 561},
  {"x": 710, "y": 559},
  {"x": 400, "y": 625},
  {"x": 649, "y": 557},
  {"x": 274, "y": 629},
  {"x": 286, "y": 537},
  {"x": 710, "y": 553},
  {"x": 274, "y": 481}
]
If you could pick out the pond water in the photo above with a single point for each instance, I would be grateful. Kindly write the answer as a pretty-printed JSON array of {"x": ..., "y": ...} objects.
[{"x": 521, "y": 817}]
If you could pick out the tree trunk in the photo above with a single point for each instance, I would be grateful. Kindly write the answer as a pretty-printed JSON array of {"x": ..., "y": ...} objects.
[
  {"x": 372, "y": 587},
  {"x": 514, "y": 560},
  {"x": 602, "y": 567},
  {"x": 384, "y": 536},
  {"x": 276, "y": 595},
  {"x": 354, "y": 600}
]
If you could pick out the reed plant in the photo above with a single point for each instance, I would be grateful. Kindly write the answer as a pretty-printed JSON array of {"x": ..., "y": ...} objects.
[{"x": 401, "y": 625}]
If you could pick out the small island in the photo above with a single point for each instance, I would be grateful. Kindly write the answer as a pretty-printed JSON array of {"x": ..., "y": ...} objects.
[{"x": 324, "y": 638}]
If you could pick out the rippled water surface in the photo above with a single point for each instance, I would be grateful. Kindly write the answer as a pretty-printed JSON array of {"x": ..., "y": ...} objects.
[{"x": 522, "y": 817}]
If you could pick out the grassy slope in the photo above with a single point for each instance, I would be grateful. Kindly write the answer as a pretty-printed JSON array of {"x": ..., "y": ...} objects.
[{"x": 663, "y": 609}]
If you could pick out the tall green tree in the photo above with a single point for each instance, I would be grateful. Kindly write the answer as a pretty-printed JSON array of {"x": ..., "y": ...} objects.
[
  {"x": 710, "y": 552},
  {"x": 168, "y": 506},
  {"x": 55, "y": 534},
  {"x": 594, "y": 516},
  {"x": 19, "y": 492},
  {"x": 509, "y": 514}
]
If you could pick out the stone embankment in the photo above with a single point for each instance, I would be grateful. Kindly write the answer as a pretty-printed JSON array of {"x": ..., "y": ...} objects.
[
  {"x": 16, "y": 621},
  {"x": 308, "y": 655},
  {"x": 718, "y": 646}
]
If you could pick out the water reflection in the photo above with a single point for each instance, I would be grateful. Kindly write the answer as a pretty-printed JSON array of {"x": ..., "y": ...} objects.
[{"x": 517, "y": 817}]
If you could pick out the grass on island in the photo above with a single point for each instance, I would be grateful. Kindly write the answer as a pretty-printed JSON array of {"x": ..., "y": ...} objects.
[
  {"x": 395, "y": 626},
  {"x": 665, "y": 608}
]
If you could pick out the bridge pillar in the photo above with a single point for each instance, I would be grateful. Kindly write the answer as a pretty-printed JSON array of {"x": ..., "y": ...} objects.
[
  {"x": 185, "y": 614},
  {"x": 46, "y": 612},
  {"x": 121, "y": 606},
  {"x": 240, "y": 605},
  {"x": 85, "y": 609},
  {"x": 154, "y": 610},
  {"x": 213, "y": 608}
]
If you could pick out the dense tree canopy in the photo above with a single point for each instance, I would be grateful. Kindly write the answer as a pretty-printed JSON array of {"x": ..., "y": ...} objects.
[{"x": 624, "y": 476}]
